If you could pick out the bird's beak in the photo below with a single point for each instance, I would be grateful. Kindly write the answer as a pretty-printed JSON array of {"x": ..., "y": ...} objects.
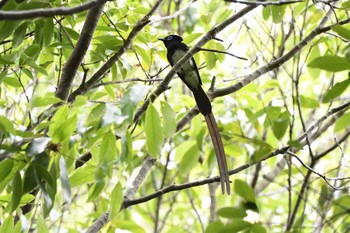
[{"x": 162, "y": 39}]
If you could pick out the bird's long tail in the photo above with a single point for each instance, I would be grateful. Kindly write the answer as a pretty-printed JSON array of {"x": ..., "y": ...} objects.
[{"x": 219, "y": 151}]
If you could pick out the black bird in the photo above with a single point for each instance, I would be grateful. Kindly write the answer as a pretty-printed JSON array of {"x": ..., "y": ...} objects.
[{"x": 190, "y": 76}]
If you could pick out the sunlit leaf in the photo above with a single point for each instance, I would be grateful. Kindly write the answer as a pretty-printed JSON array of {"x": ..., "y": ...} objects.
[
  {"x": 82, "y": 175},
  {"x": 116, "y": 200},
  {"x": 96, "y": 189},
  {"x": 7, "y": 225},
  {"x": 189, "y": 160},
  {"x": 42, "y": 225},
  {"x": 342, "y": 123},
  {"x": 108, "y": 149},
  {"x": 308, "y": 102},
  {"x": 342, "y": 31},
  {"x": 41, "y": 101},
  {"x": 131, "y": 99},
  {"x": 236, "y": 226},
  {"x": 244, "y": 190},
  {"x": 231, "y": 212},
  {"x": 153, "y": 131},
  {"x": 330, "y": 63},
  {"x": 336, "y": 90},
  {"x": 169, "y": 121}
]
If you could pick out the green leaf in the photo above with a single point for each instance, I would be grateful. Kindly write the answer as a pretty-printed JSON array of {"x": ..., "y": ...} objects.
[
  {"x": 7, "y": 225},
  {"x": 66, "y": 190},
  {"x": 243, "y": 190},
  {"x": 110, "y": 42},
  {"x": 96, "y": 189},
  {"x": 345, "y": 4},
  {"x": 308, "y": 102},
  {"x": 126, "y": 146},
  {"x": 116, "y": 200},
  {"x": 342, "y": 123},
  {"x": 260, "y": 153},
  {"x": 32, "y": 51},
  {"x": 47, "y": 185},
  {"x": 95, "y": 115},
  {"x": 60, "y": 130},
  {"x": 82, "y": 175},
  {"x": 278, "y": 13},
  {"x": 145, "y": 56},
  {"x": 236, "y": 226},
  {"x": 41, "y": 101},
  {"x": 6, "y": 125},
  {"x": 169, "y": 121},
  {"x": 19, "y": 34},
  {"x": 258, "y": 228},
  {"x": 295, "y": 144},
  {"x": 342, "y": 31},
  {"x": 336, "y": 90},
  {"x": 153, "y": 131},
  {"x": 214, "y": 227},
  {"x": 189, "y": 160},
  {"x": 37, "y": 146},
  {"x": 12, "y": 82},
  {"x": 7, "y": 27},
  {"x": 210, "y": 60},
  {"x": 108, "y": 148},
  {"x": 131, "y": 99},
  {"x": 232, "y": 212},
  {"x": 280, "y": 125},
  {"x": 29, "y": 182},
  {"x": 42, "y": 228},
  {"x": 340, "y": 206},
  {"x": 48, "y": 31},
  {"x": 16, "y": 191},
  {"x": 130, "y": 226},
  {"x": 5, "y": 168},
  {"x": 330, "y": 63}
]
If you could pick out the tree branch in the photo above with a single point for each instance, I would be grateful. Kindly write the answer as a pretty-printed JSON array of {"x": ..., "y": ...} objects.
[
  {"x": 264, "y": 3},
  {"x": 207, "y": 37},
  {"x": 141, "y": 176},
  {"x": 127, "y": 43},
  {"x": 49, "y": 12},
  {"x": 75, "y": 59}
]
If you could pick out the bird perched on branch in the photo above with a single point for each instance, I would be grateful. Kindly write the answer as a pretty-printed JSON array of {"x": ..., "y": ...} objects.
[{"x": 190, "y": 76}]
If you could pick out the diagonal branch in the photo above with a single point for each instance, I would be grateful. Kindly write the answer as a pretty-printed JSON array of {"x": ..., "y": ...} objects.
[
  {"x": 207, "y": 37},
  {"x": 75, "y": 59},
  {"x": 276, "y": 63},
  {"x": 127, "y": 43}
]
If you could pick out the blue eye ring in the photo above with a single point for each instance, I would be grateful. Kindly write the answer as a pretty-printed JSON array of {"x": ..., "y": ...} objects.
[{"x": 169, "y": 38}]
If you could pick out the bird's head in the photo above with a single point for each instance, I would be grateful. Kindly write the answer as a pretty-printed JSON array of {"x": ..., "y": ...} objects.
[{"x": 171, "y": 39}]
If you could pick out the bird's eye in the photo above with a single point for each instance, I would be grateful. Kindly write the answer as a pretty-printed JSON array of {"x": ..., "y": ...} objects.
[{"x": 169, "y": 37}]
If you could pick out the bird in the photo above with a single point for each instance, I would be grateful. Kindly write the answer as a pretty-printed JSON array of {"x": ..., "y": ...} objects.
[{"x": 189, "y": 74}]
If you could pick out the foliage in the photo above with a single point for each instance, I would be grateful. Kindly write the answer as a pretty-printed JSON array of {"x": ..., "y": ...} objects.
[{"x": 113, "y": 145}]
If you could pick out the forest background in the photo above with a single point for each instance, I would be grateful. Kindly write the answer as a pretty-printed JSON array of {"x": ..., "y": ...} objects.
[{"x": 97, "y": 133}]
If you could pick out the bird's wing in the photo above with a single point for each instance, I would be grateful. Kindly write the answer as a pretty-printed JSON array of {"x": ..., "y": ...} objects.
[{"x": 189, "y": 71}]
